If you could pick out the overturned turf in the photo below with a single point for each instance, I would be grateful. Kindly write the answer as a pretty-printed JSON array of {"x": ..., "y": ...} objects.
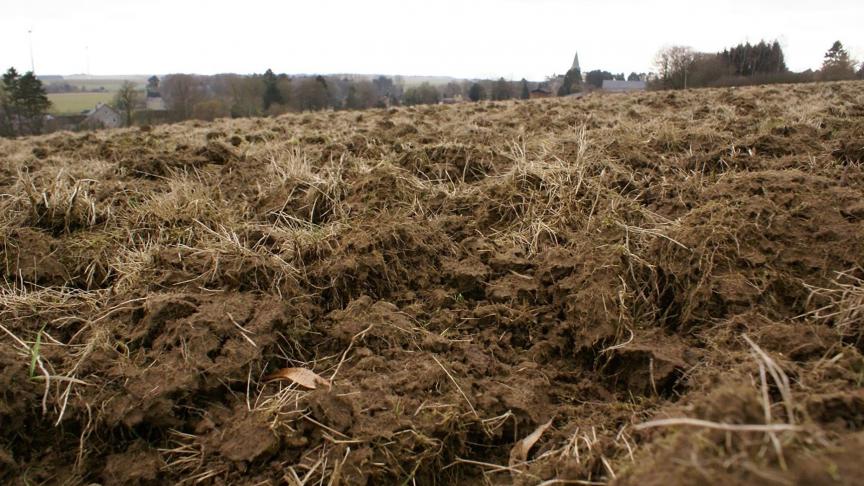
[{"x": 670, "y": 281}]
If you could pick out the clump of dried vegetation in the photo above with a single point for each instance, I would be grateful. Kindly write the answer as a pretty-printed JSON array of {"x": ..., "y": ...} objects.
[{"x": 656, "y": 288}]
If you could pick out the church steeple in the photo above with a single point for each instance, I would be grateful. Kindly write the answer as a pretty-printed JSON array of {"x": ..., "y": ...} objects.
[{"x": 576, "y": 62}]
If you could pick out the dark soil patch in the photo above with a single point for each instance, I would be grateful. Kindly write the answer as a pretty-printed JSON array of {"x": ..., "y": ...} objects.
[{"x": 454, "y": 279}]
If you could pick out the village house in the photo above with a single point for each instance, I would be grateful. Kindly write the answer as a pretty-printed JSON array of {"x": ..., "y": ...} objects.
[
  {"x": 539, "y": 93},
  {"x": 103, "y": 116},
  {"x": 553, "y": 84},
  {"x": 615, "y": 86},
  {"x": 155, "y": 103},
  {"x": 452, "y": 100}
]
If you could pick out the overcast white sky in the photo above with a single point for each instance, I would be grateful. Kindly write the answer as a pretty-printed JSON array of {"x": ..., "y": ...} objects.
[{"x": 481, "y": 38}]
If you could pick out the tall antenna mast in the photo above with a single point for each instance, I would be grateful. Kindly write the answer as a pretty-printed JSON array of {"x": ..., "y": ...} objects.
[{"x": 32, "y": 63}]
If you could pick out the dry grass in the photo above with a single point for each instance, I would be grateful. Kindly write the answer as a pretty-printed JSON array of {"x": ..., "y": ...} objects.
[{"x": 462, "y": 274}]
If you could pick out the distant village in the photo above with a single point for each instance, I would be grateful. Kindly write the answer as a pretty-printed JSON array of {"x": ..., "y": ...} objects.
[
  {"x": 103, "y": 115},
  {"x": 178, "y": 97},
  {"x": 155, "y": 109},
  {"x": 609, "y": 83}
]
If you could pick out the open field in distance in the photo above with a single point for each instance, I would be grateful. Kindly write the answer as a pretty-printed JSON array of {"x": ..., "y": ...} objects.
[
  {"x": 75, "y": 103},
  {"x": 108, "y": 83}
]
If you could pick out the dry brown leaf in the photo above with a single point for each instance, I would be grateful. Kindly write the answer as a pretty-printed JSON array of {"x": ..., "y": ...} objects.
[
  {"x": 519, "y": 452},
  {"x": 302, "y": 376}
]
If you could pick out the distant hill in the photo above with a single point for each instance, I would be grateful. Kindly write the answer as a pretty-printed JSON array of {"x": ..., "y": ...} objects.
[
  {"x": 90, "y": 79},
  {"x": 409, "y": 80}
]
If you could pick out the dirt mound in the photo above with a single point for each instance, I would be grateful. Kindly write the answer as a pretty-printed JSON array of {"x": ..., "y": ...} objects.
[
  {"x": 658, "y": 288},
  {"x": 33, "y": 256},
  {"x": 760, "y": 237},
  {"x": 453, "y": 162}
]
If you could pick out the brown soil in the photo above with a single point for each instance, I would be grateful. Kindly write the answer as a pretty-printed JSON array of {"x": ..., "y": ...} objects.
[{"x": 460, "y": 276}]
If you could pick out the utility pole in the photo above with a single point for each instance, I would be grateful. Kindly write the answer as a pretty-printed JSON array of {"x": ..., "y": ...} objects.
[{"x": 32, "y": 63}]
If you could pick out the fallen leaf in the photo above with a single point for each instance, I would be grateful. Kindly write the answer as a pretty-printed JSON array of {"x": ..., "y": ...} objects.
[
  {"x": 519, "y": 452},
  {"x": 301, "y": 376}
]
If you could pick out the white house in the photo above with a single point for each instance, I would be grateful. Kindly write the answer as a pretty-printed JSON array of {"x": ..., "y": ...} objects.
[
  {"x": 103, "y": 116},
  {"x": 615, "y": 86},
  {"x": 155, "y": 103}
]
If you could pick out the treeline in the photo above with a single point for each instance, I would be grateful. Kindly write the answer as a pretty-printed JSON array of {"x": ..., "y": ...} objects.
[
  {"x": 680, "y": 67},
  {"x": 64, "y": 87},
  {"x": 231, "y": 95},
  {"x": 24, "y": 104}
]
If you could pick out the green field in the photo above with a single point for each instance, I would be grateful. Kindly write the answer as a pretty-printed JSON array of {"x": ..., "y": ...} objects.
[
  {"x": 74, "y": 103},
  {"x": 98, "y": 89},
  {"x": 109, "y": 84}
]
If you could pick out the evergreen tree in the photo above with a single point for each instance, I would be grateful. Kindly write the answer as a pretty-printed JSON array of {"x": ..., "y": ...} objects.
[
  {"x": 750, "y": 60},
  {"x": 526, "y": 93},
  {"x": 24, "y": 103},
  {"x": 779, "y": 60},
  {"x": 633, "y": 77},
  {"x": 9, "y": 103},
  {"x": 595, "y": 78},
  {"x": 837, "y": 64},
  {"x": 34, "y": 101},
  {"x": 501, "y": 90},
  {"x": 572, "y": 83},
  {"x": 272, "y": 95},
  {"x": 476, "y": 92},
  {"x": 5, "y": 116}
]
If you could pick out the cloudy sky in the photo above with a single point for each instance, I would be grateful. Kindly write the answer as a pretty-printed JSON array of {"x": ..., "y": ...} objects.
[{"x": 480, "y": 38}]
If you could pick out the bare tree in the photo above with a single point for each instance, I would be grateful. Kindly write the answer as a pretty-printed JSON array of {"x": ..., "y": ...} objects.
[
  {"x": 424, "y": 94},
  {"x": 361, "y": 95},
  {"x": 181, "y": 92},
  {"x": 311, "y": 94},
  {"x": 126, "y": 100},
  {"x": 673, "y": 64},
  {"x": 245, "y": 95}
]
